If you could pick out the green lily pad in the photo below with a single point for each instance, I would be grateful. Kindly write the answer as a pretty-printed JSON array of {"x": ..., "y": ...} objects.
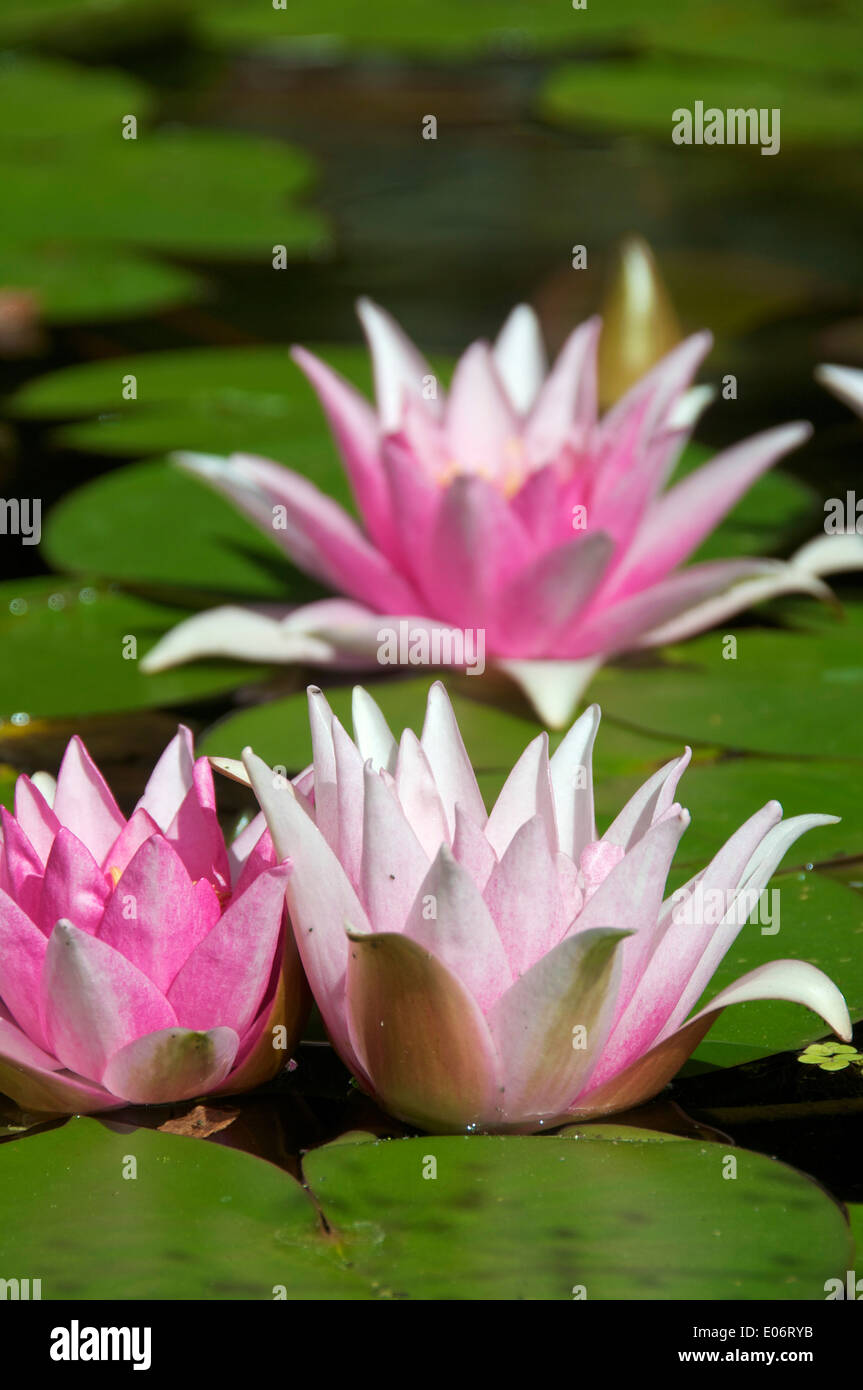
[
  {"x": 448, "y": 28},
  {"x": 189, "y": 191},
  {"x": 640, "y": 94},
  {"x": 73, "y": 282},
  {"x": 827, "y": 39},
  {"x": 788, "y": 693},
  {"x": 44, "y": 100},
  {"x": 195, "y": 1221},
  {"x": 558, "y": 1218},
  {"x": 63, "y": 648},
  {"x": 176, "y": 536},
  {"x": 820, "y": 921},
  {"x": 550, "y": 1218}
]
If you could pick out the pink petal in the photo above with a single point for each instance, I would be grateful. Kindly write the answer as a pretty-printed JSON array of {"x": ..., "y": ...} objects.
[
  {"x": 524, "y": 900},
  {"x": 472, "y": 850},
  {"x": 84, "y": 802},
  {"x": 420, "y": 1035},
  {"x": 419, "y": 796},
  {"x": 35, "y": 817},
  {"x": 567, "y": 403},
  {"x": 22, "y": 955},
  {"x": 519, "y": 356},
  {"x": 356, "y": 432},
  {"x": 450, "y": 919},
  {"x": 792, "y": 980},
  {"x": 136, "y": 831},
  {"x": 171, "y": 1064},
  {"x": 320, "y": 897},
  {"x": 527, "y": 792},
  {"x": 548, "y": 594},
  {"x": 21, "y": 870},
  {"x": 399, "y": 370},
  {"x": 677, "y": 522},
  {"x": 476, "y": 547},
  {"x": 447, "y": 757},
  {"x": 394, "y": 863},
  {"x": 94, "y": 1001},
  {"x": 156, "y": 916},
  {"x": 651, "y": 800},
  {"x": 225, "y": 977},
  {"x": 195, "y": 832},
  {"x": 571, "y": 768},
  {"x": 171, "y": 779},
  {"x": 534, "y": 1024},
  {"x": 34, "y": 1080},
  {"x": 74, "y": 886},
  {"x": 372, "y": 733},
  {"x": 481, "y": 425}
]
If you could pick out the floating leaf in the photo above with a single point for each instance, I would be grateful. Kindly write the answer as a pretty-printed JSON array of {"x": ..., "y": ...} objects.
[{"x": 63, "y": 647}]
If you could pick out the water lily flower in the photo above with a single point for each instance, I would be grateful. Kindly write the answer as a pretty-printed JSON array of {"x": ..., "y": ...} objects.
[
  {"x": 507, "y": 508},
  {"x": 141, "y": 960},
  {"x": 512, "y": 970}
]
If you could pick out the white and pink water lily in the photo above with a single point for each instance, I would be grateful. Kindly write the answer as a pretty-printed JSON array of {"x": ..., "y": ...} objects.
[
  {"x": 509, "y": 970},
  {"x": 506, "y": 507},
  {"x": 141, "y": 960}
]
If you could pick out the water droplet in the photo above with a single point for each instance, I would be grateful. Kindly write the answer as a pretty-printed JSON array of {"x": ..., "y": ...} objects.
[
  {"x": 18, "y": 606},
  {"x": 20, "y": 719},
  {"x": 57, "y": 601},
  {"x": 88, "y": 595}
]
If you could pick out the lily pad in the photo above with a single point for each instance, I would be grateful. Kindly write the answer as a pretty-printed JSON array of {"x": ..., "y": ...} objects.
[
  {"x": 45, "y": 100},
  {"x": 63, "y": 646},
  {"x": 175, "y": 535},
  {"x": 790, "y": 693},
  {"x": 189, "y": 191},
  {"x": 537, "y": 1218},
  {"x": 73, "y": 282},
  {"x": 142, "y": 1215},
  {"x": 640, "y": 94},
  {"x": 558, "y": 1218}
]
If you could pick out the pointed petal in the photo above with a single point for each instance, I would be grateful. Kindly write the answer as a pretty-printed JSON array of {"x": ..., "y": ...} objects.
[
  {"x": 372, "y": 733},
  {"x": 419, "y": 796},
  {"x": 527, "y": 792},
  {"x": 156, "y": 916},
  {"x": 534, "y": 1024},
  {"x": 171, "y": 1064},
  {"x": 35, "y": 816},
  {"x": 171, "y": 779},
  {"x": 472, "y": 850},
  {"x": 320, "y": 897},
  {"x": 138, "y": 828},
  {"x": 224, "y": 979},
  {"x": 571, "y": 767},
  {"x": 461, "y": 933},
  {"x": 84, "y": 801},
  {"x": 651, "y": 800},
  {"x": 22, "y": 954},
  {"x": 399, "y": 368},
  {"x": 519, "y": 355},
  {"x": 94, "y": 1001},
  {"x": 567, "y": 402},
  {"x": 394, "y": 862},
  {"x": 545, "y": 598},
  {"x": 357, "y": 435},
  {"x": 451, "y": 767},
  {"x": 420, "y": 1035},
  {"x": 792, "y": 980},
  {"x": 74, "y": 886},
  {"x": 553, "y": 688},
  {"x": 524, "y": 900},
  {"x": 679, "y": 521}
]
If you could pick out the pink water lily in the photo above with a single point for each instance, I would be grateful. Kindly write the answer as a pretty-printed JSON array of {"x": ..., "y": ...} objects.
[
  {"x": 510, "y": 970},
  {"x": 141, "y": 960},
  {"x": 506, "y": 508}
]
